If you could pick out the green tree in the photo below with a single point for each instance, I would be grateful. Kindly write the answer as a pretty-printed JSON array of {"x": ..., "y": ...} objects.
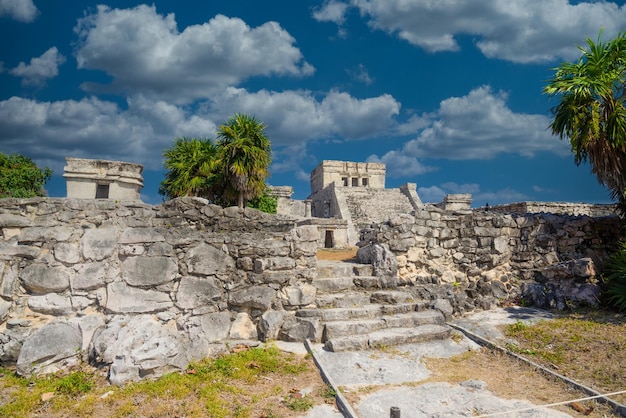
[
  {"x": 20, "y": 177},
  {"x": 245, "y": 157},
  {"x": 591, "y": 111},
  {"x": 192, "y": 169}
]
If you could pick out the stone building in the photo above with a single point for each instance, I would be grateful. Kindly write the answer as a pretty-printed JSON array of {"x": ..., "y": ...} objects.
[{"x": 103, "y": 179}]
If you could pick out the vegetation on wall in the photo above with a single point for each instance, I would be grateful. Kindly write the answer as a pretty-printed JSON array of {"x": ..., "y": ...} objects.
[
  {"x": 20, "y": 177},
  {"x": 592, "y": 113},
  {"x": 227, "y": 172},
  {"x": 615, "y": 277}
]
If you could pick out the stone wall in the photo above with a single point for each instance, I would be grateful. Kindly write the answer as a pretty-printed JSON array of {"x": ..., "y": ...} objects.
[
  {"x": 145, "y": 289},
  {"x": 562, "y": 208},
  {"x": 478, "y": 259}
]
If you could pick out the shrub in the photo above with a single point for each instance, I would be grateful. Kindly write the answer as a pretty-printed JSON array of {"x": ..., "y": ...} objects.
[{"x": 615, "y": 277}]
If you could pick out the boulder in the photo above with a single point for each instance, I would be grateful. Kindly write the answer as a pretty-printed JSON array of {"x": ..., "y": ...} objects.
[
  {"x": 55, "y": 346},
  {"x": 141, "y": 348}
]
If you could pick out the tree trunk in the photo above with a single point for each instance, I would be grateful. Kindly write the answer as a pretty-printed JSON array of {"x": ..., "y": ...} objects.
[{"x": 240, "y": 200}]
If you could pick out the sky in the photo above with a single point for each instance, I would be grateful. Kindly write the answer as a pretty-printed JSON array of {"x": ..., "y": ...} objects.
[{"x": 447, "y": 93}]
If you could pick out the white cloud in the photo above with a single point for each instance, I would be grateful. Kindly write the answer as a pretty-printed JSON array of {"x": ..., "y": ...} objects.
[
  {"x": 481, "y": 126},
  {"x": 520, "y": 31},
  {"x": 298, "y": 116},
  {"x": 331, "y": 11},
  {"x": 401, "y": 165},
  {"x": 361, "y": 74},
  {"x": 21, "y": 10},
  {"x": 40, "y": 68},
  {"x": 96, "y": 128},
  {"x": 145, "y": 53}
]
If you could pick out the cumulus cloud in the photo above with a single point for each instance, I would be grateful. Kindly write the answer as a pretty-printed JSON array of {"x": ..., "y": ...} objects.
[
  {"x": 360, "y": 74},
  {"x": 331, "y": 11},
  {"x": 477, "y": 126},
  {"x": 298, "y": 116},
  {"x": 145, "y": 53},
  {"x": 40, "y": 68},
  {"x": 21, "y": 10},
  {"x": 96, "y": 128},
  {"x": 522, "y": 31}
]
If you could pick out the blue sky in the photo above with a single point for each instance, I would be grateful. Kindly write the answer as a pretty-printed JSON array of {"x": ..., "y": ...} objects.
[{"x": 447, "y": 93}]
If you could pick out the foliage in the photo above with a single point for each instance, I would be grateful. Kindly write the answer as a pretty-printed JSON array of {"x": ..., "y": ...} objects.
[
  {"x": 245, "y": 157},
  {"x": 592, "y": 113},
  {"x": 615, "y": 277},
  {"x": 191, "y": 165},
  {"x": 231, "y": 171},
  {"x": 20, "y": 177},
  {"x": 264, "y": 203}
]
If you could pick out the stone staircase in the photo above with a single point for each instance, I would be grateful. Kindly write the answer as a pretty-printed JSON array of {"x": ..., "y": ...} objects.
[{"x": 355, "y": 313}]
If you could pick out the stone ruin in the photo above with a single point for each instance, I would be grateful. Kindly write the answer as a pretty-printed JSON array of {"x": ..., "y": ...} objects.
[
  {"x": 102, "y": 179},
  {"x": 144, "y": 290}
]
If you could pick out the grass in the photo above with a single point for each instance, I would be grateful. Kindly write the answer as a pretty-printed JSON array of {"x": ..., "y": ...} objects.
[
  {"x": 587, "y": 346},
  {"x": 259, "y": 382}
]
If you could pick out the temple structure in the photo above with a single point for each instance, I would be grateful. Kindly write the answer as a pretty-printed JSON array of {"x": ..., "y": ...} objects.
[{"x": 103, "y": 179}]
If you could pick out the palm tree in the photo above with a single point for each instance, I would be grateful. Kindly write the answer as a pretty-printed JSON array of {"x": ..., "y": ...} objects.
[
  {"x": 191, "y": 165},
  {"x": 245, "y": 157},
  {"x": 591, "y": 111}
]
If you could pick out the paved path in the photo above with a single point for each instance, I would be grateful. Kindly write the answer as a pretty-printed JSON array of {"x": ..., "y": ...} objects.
[{"x": 354, "y": 370}]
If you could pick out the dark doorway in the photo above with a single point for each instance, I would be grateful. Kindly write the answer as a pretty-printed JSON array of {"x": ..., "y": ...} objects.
[{"x": 329, "y": 241}]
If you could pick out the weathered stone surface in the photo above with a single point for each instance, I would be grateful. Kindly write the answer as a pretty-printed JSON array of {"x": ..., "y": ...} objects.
[
  {"x": 207, "y": 260},
  {"x": 270, "y": 325},
  {"x": 301, "y": 294},
  {"x": 87, "y": 325},
  {"x": 141, "y": 348},
  {"x": 8, "y": 279},
  {"x": 243, "y": 328},
  {"x": 194, "y": 292},
  {"x": 122, "y": 298},
  {"x": 140, "y": 235},
  {"x": 4, "y": 310},
  {"x": 67, "y": 252},
  {"x": 8, "y": 220},
  {"x": 55, "y": 346},
  {"x": 259, "y": 297},
  {"x": 215, "y": 326},
  {"x": 8, "y": 250},
  {"x": 149, "y": 271},
  {"x": 37, "y": 233},
  {"x": 50, "y": 304},
  {"x": 39, "y": 278},
  {"x": 89, "y": 276},
  {"x": 98, "y": 244}
]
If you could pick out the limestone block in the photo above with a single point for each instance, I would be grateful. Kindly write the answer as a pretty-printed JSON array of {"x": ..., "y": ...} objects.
[
  {"x": 301, "y": 294},
  {"x": 140, "y": 235},
  {"x": 215, "y": 326},
  {"x": 274, "y": 263},
  {"x": 194, "y": 292},
  {"x": 89, "y": 276},
  {"x": 149, "y": 271},
  {"x": 67, "y": 252},
  {"x": 40, "y": 279},
  {"x": 243, "y": 328},
  {"x": 53, "y": 347},
  {"x": 98, "y": 244},
  {"x": 45, "y": 234},
  {"x": 122, "y": 298},
  {"x": 278, "y": 277},
  {"x": 207, "y": 260},
  {"x": 8, "y": 251},
  {"x": 270, "y": 324},
  {"x": 257, "y": 297},
  {"x": 8, "y": 279},
  {"x": 87, "y": 325},
  {"x": 307, "y": 233},
  {"x": 8, "y": 220},
  {"x": 50, "y": 304},
  {"x": 5, "y": 307}
]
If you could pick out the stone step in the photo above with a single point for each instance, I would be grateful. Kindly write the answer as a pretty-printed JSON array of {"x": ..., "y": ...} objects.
[
  {"x": 363, "y": 269},
  {"x": 367, "y": 282},
  {"x": 341, "y": 328},
  {"x": 333, "y": 284},
  {"x": 341, "y": 314},
  {"x": 328, "y": 269},
  {"x": 342, "y": 300},
  {"x": 388, "y": 337},
  {"x": 391, "y": 296}
]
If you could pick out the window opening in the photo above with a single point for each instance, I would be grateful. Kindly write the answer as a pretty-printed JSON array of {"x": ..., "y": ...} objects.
[
  {"x": 102, "y": 191},
  {"x": 329, "y": 241},
  {"x": 355, "y": 181}
]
